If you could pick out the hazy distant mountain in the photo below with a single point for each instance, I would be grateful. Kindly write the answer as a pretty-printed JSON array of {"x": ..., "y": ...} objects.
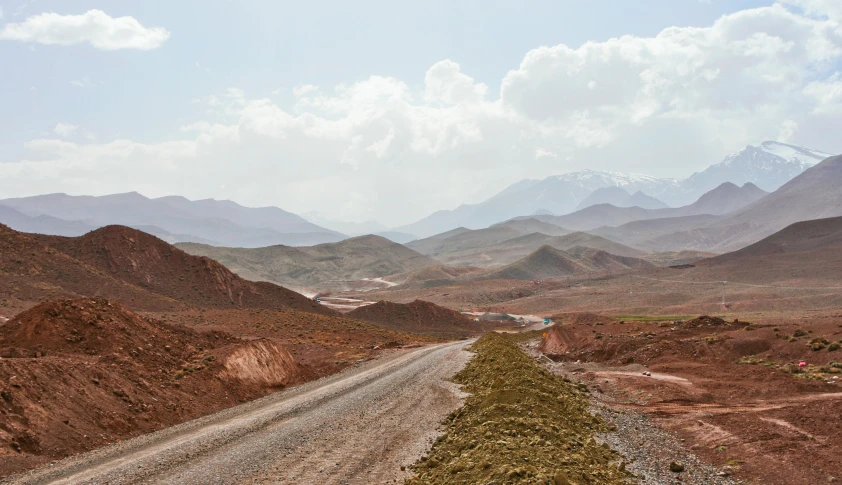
[
  {"x": 398, "y": 237},
  {"x": 815, "y": 194},
  {"x": 559, "y": 194},
  {"x": 767, "y": 165},
  {"x": 42, "y": 224},
  {"x": 349, "y": 228},
  {"x": 724, "y": 199},
  {"x": 178, "y": 219},
  {"x": 618, "y": 197}
]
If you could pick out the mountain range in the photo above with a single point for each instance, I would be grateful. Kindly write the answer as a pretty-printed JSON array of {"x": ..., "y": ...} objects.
[
  {"x": 172, "y": 218},
  {"x": 579, "y": 201},
  {"x": 814, "y": 194},
  {"x": 767, "y": 165}
]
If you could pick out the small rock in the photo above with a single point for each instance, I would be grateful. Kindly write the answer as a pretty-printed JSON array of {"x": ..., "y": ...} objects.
[
  {"x": 561, "y": 479},
  {"x": 676, "y": 467}
]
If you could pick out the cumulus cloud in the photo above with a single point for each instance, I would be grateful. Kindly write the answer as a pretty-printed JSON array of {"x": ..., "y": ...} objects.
[
  {"x": 380, "y": 148},
  {"x": 65, "y": 130},
  {"x": 94, "y": 27}
]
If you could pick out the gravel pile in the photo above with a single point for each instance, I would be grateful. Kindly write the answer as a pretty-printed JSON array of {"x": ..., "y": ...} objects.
[{"x": 651, "y": 453}]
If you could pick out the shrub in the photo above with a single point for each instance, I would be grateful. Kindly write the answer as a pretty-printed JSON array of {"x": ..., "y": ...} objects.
[{"x": 833, "y": 347}]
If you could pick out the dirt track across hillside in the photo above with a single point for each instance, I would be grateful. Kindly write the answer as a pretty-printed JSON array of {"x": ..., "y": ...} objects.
[{"x": 358, "y": 427}]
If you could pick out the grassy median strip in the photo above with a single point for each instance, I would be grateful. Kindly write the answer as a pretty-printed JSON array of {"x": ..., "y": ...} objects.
[{"x": 521, "y": 424}]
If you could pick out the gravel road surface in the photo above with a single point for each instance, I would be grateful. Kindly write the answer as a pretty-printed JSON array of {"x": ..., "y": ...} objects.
[{"x": 357, "y": 427}]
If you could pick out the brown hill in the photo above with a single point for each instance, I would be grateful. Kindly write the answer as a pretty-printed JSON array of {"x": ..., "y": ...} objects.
[
  {"x": 513, "y": 249},
  {"x": 815, "y": 237},
  {"x": 31, "y": 270},
  {"x": 549, "y": 262},
  {"x": 432, "y": 276},
  {"x": 147, "y": 262},
  {"x": 309, "y": 267},
  {"x": 79, "y": 374},
  {"x": 419, "y": 317},
  {"x": 531, "y": 225},
  {"x": 428, "y": 245}
]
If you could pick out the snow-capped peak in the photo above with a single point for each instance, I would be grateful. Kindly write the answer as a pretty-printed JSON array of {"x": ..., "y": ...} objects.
[
  {"x": 619, "y": 179},
  {"x": 775, "y": 152}
]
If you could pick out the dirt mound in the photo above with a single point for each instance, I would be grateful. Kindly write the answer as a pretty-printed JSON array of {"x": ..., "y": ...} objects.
[
  {"x": 94, "y": 326},
  {"x": 520, "y": 425},
  {"x": 144, "y": 261},
  {"x": 79, "y": 374},
  {"x": 704, "y": 321},
  {"x": 419, "y": 317}
]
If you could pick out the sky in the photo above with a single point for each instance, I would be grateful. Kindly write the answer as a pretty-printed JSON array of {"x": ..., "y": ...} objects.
[{"x": 388, "y": 111}]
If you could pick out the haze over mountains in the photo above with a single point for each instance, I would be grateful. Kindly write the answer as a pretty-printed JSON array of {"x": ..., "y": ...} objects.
[
  {"x": 224, "y": 223},
  {"x": 620, "y": 198},
  {"x": 767, "y": 165},
  {"x": 172, "y": 218}
]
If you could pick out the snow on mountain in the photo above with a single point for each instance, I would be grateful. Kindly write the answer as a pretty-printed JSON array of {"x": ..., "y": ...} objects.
[{"x": 768, "y": 165}]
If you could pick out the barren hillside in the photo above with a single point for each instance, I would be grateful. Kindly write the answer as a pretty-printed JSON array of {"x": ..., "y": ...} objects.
[{"x": 303, "y": 267}]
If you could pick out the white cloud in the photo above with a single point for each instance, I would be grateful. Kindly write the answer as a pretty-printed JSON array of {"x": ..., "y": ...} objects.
[
  {"x": 65, "y": 130},
  {"x": 829, "y": 8},
  {"x": 1, "y": 13},
  {"x": 94, "y": 27},
  {"x": 382, "y": 149},
  {"x": 446, "y": 84},
  {"x": 81, "y": 83}
]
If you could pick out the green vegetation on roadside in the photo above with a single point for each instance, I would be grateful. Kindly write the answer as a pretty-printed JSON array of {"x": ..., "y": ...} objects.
[
  {"x": 521, "y": 424},
  {"x": 652, "y": 318}
]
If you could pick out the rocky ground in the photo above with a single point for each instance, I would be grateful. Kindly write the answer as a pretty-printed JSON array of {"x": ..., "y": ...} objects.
[{"x": 706, "y": 391}]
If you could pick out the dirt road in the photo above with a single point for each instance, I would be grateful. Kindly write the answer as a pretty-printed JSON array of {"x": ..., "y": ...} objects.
[{"x": 358, "y": 427}]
